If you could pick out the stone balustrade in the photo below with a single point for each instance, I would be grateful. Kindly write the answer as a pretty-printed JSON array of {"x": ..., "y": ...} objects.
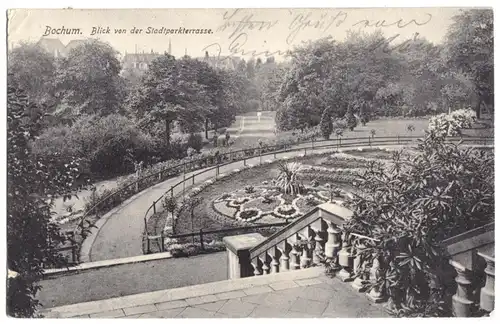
[
  {"x": 317, "y": 238},
  {"x": 467, "y": 303},
  {"x": 310, "y": 241}
]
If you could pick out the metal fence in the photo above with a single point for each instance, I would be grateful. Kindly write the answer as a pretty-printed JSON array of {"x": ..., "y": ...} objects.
[
  {"x": 306, "y": 147},
  {"x": 214, "y": 162}
]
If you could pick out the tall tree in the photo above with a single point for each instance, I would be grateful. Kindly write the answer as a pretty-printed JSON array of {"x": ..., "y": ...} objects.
[
  {"x": 469, "y": 48},
  {"x": 32, "y": 237},
  {"x": 33, "y": 69},
  {"x": 88, "y": 79},
  {"x": 168, "y": 92}
]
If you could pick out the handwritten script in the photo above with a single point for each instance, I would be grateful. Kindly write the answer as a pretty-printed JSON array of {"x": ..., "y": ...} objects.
[{"x": 241, "y": 25}]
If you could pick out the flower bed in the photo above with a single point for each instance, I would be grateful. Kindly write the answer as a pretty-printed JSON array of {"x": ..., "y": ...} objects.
[{"x": 249, "y": 215}]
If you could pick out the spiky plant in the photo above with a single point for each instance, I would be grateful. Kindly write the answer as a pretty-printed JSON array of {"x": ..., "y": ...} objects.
[{"x": 287, "y": 178}]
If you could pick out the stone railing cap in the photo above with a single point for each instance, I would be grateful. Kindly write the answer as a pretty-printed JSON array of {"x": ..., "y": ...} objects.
[
  {"x": 337, "y": 210},
  {"x": 486, "y": 256},
  {"x": 238, "y": 243}
]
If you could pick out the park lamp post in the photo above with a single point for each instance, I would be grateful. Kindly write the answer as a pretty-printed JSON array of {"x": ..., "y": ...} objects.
[{"x": 260, "y": 151}]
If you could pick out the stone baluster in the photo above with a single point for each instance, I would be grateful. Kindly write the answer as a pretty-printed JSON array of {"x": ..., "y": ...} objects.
[
  {"x": 318, "y": 247},
  {"x": 359, "y": 267},
  {"x": 376, "y": 294},
  {"x": 255, "y": 265},
  {"x": 295, "y": 264},
  {"x": 265, "y": 267},
  {"x": 284, "y": 259},
  {"x": 487, "y": 296},
  {"x": 346, "y": 259},
  {"x": 305, "y": 258},
  {"x": 275, "y": 265},
  {"x": 462, "y": 301},
  {"x": 333, "y": 245}
]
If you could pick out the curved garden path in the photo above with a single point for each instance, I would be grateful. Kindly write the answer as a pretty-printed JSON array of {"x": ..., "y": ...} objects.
[{"x": 119, "y": 232}]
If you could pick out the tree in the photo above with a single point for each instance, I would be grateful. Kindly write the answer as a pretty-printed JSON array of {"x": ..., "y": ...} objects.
[
  {"x": 32, "y": 238},
  {"x": 326, "y": 124},
  {"x": 469, "y": 50},
  {"x": 33, "y": 69},
  {"x": 350, "y": 119},
  {"x": 88, "y": 79},
  {"x": 168, "y": 92}
]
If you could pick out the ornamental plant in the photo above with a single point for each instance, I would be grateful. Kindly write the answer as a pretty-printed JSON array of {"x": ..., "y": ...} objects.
[
  {"x": 287, "y": 179},
  {"x": 410, "y": 207}
]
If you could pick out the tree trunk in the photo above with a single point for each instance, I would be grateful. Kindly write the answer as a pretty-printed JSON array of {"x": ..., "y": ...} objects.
[
  {"x": 478, "y": 109},
  {"x": 206, "y": 128},
  {"x": 167, "y": 131}
]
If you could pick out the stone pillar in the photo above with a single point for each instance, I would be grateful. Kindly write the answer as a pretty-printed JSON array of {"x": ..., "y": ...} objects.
[
  {"x": 238, "y": 256},
  {"x": 346, "y": 259},
  {"x": 376, "y": 293},
  {"x": 487, "y": 299},
  {"x": 333, "y": 245},
  {"x": 462, "y": 304}
]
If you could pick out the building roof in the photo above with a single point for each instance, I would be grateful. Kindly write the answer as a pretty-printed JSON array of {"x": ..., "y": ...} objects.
[
  {"x": 51, "y": 44},
  {"x": 140, "y": 57}
]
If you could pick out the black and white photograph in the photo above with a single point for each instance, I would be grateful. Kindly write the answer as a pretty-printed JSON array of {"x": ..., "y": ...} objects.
[{"x": 250, "y": 163}]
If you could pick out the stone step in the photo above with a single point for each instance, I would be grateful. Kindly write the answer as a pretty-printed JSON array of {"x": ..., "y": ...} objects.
[{"x": 168, "y": 295}]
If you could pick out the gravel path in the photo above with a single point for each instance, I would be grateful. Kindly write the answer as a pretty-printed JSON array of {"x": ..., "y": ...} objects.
[{"x": 132, "y": 278}]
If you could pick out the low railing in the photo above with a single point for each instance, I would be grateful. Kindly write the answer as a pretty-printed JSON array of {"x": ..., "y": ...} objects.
[
  {"x": 231, "y": 157},
  {"x": 215, "y": 162},
  {"x": 201, "y": 234},
  {"x": 317, "y": 236}
]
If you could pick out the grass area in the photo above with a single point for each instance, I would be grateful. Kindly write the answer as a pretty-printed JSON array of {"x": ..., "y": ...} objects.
[{"x": 132, "y": 278}]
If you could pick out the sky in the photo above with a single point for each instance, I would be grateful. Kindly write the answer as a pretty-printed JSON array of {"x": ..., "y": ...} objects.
[{"x": 243, "y": 32}]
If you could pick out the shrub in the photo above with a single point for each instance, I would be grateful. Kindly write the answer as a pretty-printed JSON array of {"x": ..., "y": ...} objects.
[
  {"x": 195, "y": 141},
  {"x": 190, "y": 151},
  {"x": 452, "y": 124},
  {"x": 249, "y": 189},
  {"x": 410, "y": 208},
  {"x": 98, "y": 140},
  {"x": 191, "y": 249}
]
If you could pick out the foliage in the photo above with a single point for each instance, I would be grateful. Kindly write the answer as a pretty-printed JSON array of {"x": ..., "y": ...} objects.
[
  {"x": 249, "y": 189},
  {"x": 170, "y": 203},
  {"x": 88, "y": 79},
  {"x": 195, "y": 141},
  {"x": 287, "y": 178},
  {"x": 452, "y": 124},
  {"x": 411, "y": 206},
  {"x": 33, "y": 69},
  {"x": 98, "y": 141},
  {"x": 32, "y": 182},
  {"x": 326, "y": 124},
  {"x": 351, "y": 120},
  {"x": 191, "y": 249},
  {"x": 469, "y": 50}
]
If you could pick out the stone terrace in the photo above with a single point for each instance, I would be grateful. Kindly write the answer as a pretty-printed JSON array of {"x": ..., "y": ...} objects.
[{"x": 303, "y": 293}]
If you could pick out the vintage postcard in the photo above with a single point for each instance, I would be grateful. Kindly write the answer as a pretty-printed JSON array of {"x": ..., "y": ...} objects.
[{"x": 272, "y": 163}]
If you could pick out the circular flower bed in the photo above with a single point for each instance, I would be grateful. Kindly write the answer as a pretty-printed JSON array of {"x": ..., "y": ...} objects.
[
  {"x": 286, "y": 211},
  {"x": 249, "y": 215}
]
